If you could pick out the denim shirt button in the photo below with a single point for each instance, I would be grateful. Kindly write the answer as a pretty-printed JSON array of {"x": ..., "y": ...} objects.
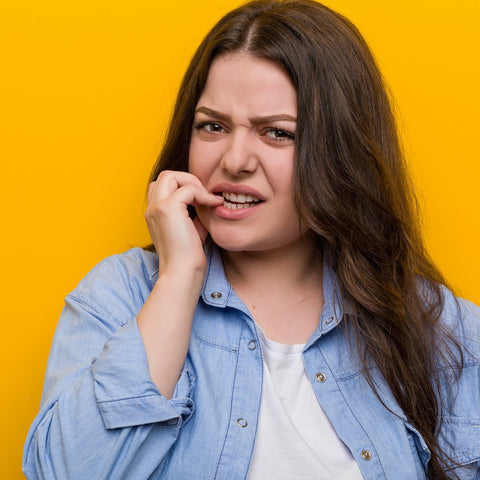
[
  {"x": 216, "y": 295},
  {"x": 366, "y": 455},
  {"x": 242, "y": 422},
  {"x": 252, "y": 345},
  {"x": 321, "y": 377},
  {"x": 329, "y": 320}
]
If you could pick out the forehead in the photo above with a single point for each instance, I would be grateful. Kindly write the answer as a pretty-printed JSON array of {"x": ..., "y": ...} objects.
[{"x": 242, "y": 83}]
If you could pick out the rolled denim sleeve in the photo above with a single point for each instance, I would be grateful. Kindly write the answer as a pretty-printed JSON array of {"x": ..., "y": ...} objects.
[
  {"x": 125, "y": 394},
  {"x": 100, "y": 411}
]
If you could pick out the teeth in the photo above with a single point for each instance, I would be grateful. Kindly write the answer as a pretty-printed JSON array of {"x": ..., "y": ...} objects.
[
  {"x": 235, "y": 206},
  {"x": 239, "y": 198},
  {"x": 235, "y": 201}
]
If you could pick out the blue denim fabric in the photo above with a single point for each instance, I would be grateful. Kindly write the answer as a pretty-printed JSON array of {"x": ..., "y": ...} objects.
[{"x": 101, "y": 416}]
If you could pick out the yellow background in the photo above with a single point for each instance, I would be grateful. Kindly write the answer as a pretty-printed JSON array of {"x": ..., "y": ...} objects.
[{"x": 86, "y": 92}]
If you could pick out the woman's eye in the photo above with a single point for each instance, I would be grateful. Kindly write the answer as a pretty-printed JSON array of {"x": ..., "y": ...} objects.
[
  {"x": 209, "y": 127},
  {"x": 280, "y": 135}
]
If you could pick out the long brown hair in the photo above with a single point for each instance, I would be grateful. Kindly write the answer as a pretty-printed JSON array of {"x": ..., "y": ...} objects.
[{"x": 350, "y": 187}]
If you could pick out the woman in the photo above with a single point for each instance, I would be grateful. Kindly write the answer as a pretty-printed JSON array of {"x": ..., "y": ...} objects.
[{"x": 287, "y": 322}]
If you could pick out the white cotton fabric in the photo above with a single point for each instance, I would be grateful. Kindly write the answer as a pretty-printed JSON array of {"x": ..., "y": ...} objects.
[{"x": 295, "y": 439}]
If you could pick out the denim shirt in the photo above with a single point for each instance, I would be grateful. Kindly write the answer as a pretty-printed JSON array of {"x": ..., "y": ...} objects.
[{"x": 102, "y": 417}]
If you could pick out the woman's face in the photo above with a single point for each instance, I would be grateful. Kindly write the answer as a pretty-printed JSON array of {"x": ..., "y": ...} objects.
[{"x": 242, "y": 148}]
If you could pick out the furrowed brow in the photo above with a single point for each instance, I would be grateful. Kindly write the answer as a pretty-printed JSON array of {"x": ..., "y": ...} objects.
[
  {"x": 280, "y": 117},
  {"x": 213, "y": 113},
  {"x": 254, "y": 121}
]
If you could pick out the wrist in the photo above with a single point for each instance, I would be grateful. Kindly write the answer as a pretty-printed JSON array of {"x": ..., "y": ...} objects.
[{"x": 185, "y": 278}]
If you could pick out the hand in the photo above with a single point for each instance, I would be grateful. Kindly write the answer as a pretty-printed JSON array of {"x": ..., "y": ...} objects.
[{"x": 177, "y": 239}]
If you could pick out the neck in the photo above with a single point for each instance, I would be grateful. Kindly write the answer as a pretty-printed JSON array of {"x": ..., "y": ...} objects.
[
  {"x": 291, "y": 266},
  {"x": 281, "y": 288}
]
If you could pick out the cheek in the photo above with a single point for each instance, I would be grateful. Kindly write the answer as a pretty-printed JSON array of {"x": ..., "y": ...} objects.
[
  {"x": 198, "y": 161},
  {"x": 280, "y": 176}
]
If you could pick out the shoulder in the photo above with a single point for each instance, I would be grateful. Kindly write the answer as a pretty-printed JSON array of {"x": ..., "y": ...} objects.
[
  {"x": 120, "y": 284},
  {"x": 459, "y": 435},
  {"x": 462, "y": 318},
  {"x": 135, "y": 264}
]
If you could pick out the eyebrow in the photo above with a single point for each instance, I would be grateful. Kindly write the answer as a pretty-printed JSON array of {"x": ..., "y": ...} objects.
[{"x": 254, "y": 120}]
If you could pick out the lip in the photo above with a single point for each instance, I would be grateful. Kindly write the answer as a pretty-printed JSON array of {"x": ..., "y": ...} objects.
[
  {"x": 236, "y": 214},
  {"x": 232, "y": 188}
]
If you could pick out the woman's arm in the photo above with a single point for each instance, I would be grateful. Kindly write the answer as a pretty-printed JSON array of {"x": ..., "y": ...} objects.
[
  {"x": 100, "y": 408},
  {"x": 116, "y": 391},
  {"x": 165, "y": 321}
]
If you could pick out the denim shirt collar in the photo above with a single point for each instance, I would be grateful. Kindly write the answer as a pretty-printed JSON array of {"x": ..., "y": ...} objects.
[
  {"x": 218, "y": 292},
  {"x": 334, "y": 307}
]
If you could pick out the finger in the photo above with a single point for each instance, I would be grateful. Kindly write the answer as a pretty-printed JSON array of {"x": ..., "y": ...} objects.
[
  {"x": 168, "y": 181},
  {"x": 194, "y": 195}
]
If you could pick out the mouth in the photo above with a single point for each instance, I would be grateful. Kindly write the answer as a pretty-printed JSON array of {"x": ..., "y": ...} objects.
[{"x": 235, "y": 201}]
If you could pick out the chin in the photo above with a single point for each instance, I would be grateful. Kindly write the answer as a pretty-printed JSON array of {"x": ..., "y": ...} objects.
[
  {"x": 231, "y": 245},
  {"x": 238, "y": 243}
]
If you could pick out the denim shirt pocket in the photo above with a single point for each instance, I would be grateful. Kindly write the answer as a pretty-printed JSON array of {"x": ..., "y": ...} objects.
[{"x": 460, "y": 441}]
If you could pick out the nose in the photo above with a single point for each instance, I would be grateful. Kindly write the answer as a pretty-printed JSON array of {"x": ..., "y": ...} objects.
[{"x": 239, "y": 157}]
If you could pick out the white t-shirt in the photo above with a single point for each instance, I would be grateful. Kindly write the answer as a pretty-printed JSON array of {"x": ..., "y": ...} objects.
[{"x": 295, "y": 439}]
